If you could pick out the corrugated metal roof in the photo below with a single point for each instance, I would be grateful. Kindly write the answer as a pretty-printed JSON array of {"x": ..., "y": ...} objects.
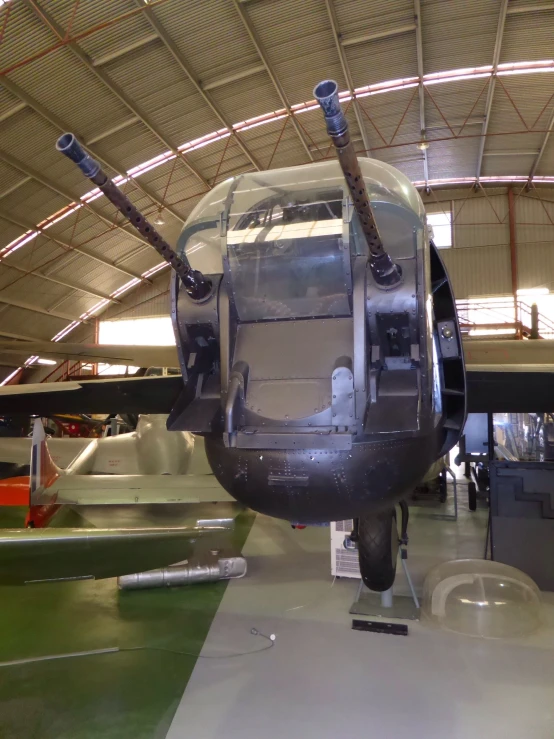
[
  {"x": 452, "y": 159},
  {"x": 247, "y": 98},
  {"x": 387, "y": 58},
  {"x": 63, "y": 84},
  {"x": 299, "y": 47},
  {"x": 146, "y": 300},
  {"x": 457, "y": 35},
  {"x": 156, "y": 84},
  {"x": 7, "y": 102},
  {"x": 88, "y": 14},
  {"x": 29, "y": 323},
  {"x": 546, "y": 165},
  {"x": 32, "y": 202},
  {"x": 211, "y": 37},
  {"x": 358, "y": 17},
  {"x": 528, "y": 36}
]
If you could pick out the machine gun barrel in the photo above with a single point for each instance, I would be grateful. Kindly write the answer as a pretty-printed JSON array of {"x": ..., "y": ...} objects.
[
  {"x": 194, "y": 282},
  {"x": 386, "y": 273}
]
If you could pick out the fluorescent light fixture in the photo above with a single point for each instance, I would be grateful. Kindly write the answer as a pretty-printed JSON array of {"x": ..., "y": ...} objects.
[
  {"x": 491, "y": 331},
  {"x": 42, "y": 360},
  {"x": 529, "y": 291},
  {"x": 10, "y": 377}
]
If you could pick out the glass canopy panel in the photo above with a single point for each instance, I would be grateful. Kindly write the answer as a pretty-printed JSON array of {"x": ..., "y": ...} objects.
[{"x": 286, "y": 256}]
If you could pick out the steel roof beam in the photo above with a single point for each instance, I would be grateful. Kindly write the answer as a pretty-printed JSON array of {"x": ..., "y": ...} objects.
[
  {"x": 492, "y": 83},
  {"x": 503, "y": 153},
  {"x": 36, "y": 309},
  {"x": 114, "y": 129},
  {"x": 421, "y": 90},
  {"x": 347, "y": 74},
  {"x": 63, "y": 127},
  {"x": 182, "y": 63},
  {"x": 234, "y": 77},
  {"x": 46, "y": 182},
  {"x": 12, "y": 111},
  {"x": 530, "y": 8},
  {"x": 13, "y": 188},
  {"x": 254, "y": 38},
  {"x": 70, "y": 247},
  {"x": 542, "y": 149},
  {"x": 378, "y": 35},
  {"x": 112, "y": 56},
  {"x": 63, "y": 283},
  {"x": 55, "y": 27},
  {"x": 18, "y": 337},
  {"x": 477, "y": 121}
]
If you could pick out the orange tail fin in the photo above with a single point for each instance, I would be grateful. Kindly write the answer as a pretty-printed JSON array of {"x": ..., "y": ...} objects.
[{"x": 44, "y": 473}]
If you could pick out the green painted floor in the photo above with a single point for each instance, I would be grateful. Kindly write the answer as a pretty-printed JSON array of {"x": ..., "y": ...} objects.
[{"x": 126, "y": 694}]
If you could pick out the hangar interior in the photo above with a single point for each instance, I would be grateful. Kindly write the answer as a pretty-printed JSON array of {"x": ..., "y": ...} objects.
[{"x": 183, "y": 104}]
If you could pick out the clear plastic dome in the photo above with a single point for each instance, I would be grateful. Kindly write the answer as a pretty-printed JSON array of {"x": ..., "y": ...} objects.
[{"x": 481, "y": 598}]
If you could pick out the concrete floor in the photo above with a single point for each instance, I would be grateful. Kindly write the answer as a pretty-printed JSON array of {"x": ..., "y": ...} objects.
[{"x": 321, "y": 679}]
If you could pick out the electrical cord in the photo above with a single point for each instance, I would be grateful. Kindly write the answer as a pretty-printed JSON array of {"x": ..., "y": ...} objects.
[
  {"x": 254, "y": 632},
  {"x": 112, "y": 650}
]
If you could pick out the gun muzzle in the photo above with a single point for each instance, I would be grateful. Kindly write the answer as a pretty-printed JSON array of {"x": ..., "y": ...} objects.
[
  {"x": 67, "y": 144},
  {"x": 386, "y": 273},
  {"x": 197, "y": 286}
]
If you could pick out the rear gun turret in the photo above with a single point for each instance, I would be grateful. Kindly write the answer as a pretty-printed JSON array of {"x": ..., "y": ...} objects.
[
  {"x": 196, "y": 285},
  {"x": 385, "y": 272}
]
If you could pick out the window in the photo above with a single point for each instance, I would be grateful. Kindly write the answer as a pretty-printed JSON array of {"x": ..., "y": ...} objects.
[
  {"x": 440, "y": 227},
  {"x": 156, "y": 331}
]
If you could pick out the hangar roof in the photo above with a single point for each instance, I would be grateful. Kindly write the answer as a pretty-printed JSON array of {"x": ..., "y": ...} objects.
[{"x": 176, "y": 95}]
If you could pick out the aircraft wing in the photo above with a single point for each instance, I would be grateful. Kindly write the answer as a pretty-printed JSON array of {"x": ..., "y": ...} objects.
[
  {"x": 137, "y": 356},
  {"x": 476, "y": 350},
  {"x": 510, "y": 389},
  {"x": 51, "y": 555},
  {"x": 503, "y": 376},
  {"x": 125, "y": 395},
  {"x": 501, "y": 352},
  {"x": 137, "y": 489},
  {"x": 509, "y": 376}
]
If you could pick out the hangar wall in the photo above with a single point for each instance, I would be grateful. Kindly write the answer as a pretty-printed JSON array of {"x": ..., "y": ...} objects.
[{"x": 479, "y": 259}]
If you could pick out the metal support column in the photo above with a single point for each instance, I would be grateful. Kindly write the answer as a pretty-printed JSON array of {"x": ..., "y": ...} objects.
[{"x": 513, "y": 252}]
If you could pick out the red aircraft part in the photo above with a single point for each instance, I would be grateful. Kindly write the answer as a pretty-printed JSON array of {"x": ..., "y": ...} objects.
[{"x": 15, "y": 491}]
